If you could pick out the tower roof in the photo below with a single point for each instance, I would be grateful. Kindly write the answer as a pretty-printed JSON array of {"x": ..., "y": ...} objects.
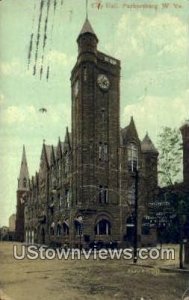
[
  {"x": 59, "y": 149},
  {"x": 129, "y": 133},
  {"x": 186, "y": 124},
  {"x": 67, "y": 144},
  {"x": 147, "y": 145},
  {"x": 87, "y": 28},
  {"x": 23, "y": 180}
]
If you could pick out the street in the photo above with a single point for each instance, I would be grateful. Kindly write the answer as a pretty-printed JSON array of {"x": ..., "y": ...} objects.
[{"x": 86, "y": 279}]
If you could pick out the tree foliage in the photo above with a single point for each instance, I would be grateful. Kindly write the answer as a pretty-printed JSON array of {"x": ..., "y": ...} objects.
[{"x": 170, "y": 156}]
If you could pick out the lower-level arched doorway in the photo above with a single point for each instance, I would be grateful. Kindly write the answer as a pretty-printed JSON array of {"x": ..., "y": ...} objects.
[{"x": 103, "y": 227}]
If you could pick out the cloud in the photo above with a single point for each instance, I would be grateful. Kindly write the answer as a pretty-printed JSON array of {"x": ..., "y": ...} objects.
[
  {"x": 147, "y": 42},
  {"x": 53, "y": 58},
  {"x": 152, "y": 113},
  {"x": 154, "y": 56},
  {"x": 11, "y": 68},
  {"x": 30, "y": 115},
  {"x": 60, "y": 58},
  {"x": 2, "y": 99}
]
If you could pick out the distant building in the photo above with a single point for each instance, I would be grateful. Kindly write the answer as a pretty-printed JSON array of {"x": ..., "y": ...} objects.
[
  {"x": 4, "y": 233},
  {"x": 12, "y": 222}
]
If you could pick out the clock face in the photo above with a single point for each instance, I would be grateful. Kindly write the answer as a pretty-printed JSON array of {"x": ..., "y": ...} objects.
[
  {"x": 76, "y": 88},
  {"x": 103, "y": 81}
]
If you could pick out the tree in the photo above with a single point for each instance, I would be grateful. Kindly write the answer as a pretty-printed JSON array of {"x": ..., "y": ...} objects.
[{"x": 170, "y": 156}]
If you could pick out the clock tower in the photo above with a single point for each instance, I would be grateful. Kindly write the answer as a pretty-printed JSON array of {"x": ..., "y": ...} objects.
[{"x": 95, "y": 84}]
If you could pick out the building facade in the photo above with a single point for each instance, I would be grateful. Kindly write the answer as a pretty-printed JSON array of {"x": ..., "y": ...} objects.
[{"x": 85, "y": 189}]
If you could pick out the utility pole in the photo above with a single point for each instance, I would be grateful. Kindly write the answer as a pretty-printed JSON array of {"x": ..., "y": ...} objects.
[{"x": 181, "y": 225}]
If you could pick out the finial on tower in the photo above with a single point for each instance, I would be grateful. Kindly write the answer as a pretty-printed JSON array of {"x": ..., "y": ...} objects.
[{"x": 87, "y": 9}]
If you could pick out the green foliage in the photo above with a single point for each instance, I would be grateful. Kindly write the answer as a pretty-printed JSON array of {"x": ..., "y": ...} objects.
[
  {"x": 170, "y": 156},
  {"x": 179, "y": 201}
]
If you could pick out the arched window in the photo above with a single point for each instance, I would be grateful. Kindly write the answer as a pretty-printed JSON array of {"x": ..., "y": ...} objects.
[
  {"x": 26, "y": 238},
  {"x": 32, "y": 237},
  {"x": 132, "y": 153},
  {"x": 103, "y": 227},
  {"x": 59, "y": 228},
  {"x": 65, "y": 228},
  {"x": 103, "y": 194},
  {"x": 78, "y": 222},
  {"x": 103, "y": 151}
]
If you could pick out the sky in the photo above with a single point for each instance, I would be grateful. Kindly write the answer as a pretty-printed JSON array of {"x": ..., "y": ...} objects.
[{"x": 149, "y": 38}]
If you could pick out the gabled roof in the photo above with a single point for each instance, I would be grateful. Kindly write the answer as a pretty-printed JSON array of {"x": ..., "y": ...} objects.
[
  {"x": 52, "y": 155},
  {"x": 46, "y": 154},
  {"x": 48, "y": 150},
  {"x": 129, "y": 133},
  {"x": 147, "y": 145},
  {"x": 59, "y": 149}
]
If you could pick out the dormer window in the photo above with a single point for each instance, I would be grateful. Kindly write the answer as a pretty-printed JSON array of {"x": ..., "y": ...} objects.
[{"x": 132, "y": 153}]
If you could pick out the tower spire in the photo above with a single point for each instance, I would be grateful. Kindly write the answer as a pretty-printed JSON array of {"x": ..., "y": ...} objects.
[{"x": 23, "y": 180}]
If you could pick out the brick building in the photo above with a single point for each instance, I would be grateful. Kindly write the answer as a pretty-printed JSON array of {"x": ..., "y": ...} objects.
[{"x": 85, "y": 189}]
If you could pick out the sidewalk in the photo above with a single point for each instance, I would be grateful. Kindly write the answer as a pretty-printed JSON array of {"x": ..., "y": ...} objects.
[
  {"x": 185, "y": 270},
  {"x": 4, "y": 296}
]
